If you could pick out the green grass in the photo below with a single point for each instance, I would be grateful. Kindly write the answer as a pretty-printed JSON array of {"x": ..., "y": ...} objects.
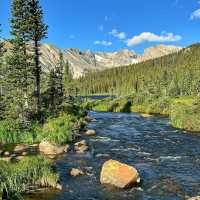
[
  {"x": 110, "y": 105},
  {"x": 10, "y": 132},
  {"x": 186, "y": 117},
  {"x": 158, "y": 106},
  {"x": 58, "y": 130},
  {"x": 184, "y": 111},
  {"x": 18, "y": 177}
]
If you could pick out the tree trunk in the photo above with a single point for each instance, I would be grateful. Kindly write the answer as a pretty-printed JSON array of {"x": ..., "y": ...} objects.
[{"x": 37, "y": 79}]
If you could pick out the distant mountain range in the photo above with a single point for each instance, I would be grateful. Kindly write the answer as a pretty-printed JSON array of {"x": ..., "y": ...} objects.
[{"x": 82, "y": 62}]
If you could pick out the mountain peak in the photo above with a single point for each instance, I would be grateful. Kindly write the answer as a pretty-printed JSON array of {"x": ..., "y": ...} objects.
[{"x": 81, "y": 62}]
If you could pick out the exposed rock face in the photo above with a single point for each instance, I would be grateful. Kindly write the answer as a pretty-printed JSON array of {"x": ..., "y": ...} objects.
[
  {"x": 158, "y": 51},
  {"x": 119, "y": 174},
  {"x": 82, "y": 62},
  {"x": 49, "y": 57}
]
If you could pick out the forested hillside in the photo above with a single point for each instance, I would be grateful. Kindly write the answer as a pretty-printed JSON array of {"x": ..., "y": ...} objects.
[{"x": 172, "y": 75}]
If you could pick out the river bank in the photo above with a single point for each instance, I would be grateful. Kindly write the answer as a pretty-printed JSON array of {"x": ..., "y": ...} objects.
[
  {"x": 26, "y": 157},
  {"x": 182, "y": 111},
  {"x": 169, "y": 173}
]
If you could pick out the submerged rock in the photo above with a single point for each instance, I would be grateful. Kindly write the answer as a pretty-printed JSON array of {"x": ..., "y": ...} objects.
[
  {"x": 90, "y": 132},
  {"x": 48, "y": 148},
  {"x": 81, "y": 147},
  {"x": 119, "y": 175},
  {"x": 76, "y": 172}
]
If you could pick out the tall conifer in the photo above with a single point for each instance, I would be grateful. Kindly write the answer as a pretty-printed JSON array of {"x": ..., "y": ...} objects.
[
  {"x": 37, "y": 32},
  {"x": 19, "y": 73}
]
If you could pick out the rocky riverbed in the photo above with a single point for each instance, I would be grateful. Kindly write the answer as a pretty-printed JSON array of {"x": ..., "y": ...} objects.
[{"x": 168, "y": 160}]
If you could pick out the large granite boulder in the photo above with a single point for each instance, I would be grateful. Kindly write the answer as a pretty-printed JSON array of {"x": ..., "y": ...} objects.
[{"x": 119, "y": 175}]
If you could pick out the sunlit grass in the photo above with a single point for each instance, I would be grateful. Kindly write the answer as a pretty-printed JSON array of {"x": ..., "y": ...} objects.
[{"x": 18, "y": 177}]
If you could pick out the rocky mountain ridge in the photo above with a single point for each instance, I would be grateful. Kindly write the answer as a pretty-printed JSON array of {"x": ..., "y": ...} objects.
[{"x": 82, "y": 62}]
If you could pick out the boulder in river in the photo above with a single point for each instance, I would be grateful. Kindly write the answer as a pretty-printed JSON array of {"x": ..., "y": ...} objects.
[
  {"x": 76, "y": 172},
  {"x": 81, "y": 146},
  {"x": 48, "y": 148},
  {"x": 90, "y": 132},
  {"x": 119, "y": 175}
]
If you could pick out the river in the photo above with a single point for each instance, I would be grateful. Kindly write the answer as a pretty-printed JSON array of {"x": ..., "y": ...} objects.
[{"x": 168, "y": 160}]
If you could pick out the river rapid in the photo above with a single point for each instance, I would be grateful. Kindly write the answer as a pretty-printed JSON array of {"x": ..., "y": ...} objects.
[{"x": 168, "y": 160}]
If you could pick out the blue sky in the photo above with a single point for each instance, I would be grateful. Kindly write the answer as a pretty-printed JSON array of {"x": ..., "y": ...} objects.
[{"x": 109, "y": 25}]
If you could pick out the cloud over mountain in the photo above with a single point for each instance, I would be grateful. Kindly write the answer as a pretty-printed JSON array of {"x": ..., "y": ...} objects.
[
  {"x": 103, "y": 42},
  {"x": 117, "y": 34},
  {"x": 152, "y": 37}
]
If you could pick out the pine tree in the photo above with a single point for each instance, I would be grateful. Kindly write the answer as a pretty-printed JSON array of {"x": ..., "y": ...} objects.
[
  {"x": 19, "y": 72},
  {"x": 67, "y": 76},
  {"x": 60, "y": 78},
  {"x": 2, "y": 101},
  {"x": 37, "y": 32},
  {"x": 52, "y": 92},
  {"x": 56, "y": 87}
]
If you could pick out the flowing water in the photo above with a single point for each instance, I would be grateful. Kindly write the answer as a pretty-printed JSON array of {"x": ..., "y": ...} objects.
[{"x": 168, "y": 160}]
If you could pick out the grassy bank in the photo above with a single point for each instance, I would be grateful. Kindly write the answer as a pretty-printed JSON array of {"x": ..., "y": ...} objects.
[
  {"x": 184, "y": 112},
  {"x": 58, "y": 130},
  {"x": 110, "y": 105},
  {"x": 186, "y": 117},
  {"x": 18, "y": 177}
]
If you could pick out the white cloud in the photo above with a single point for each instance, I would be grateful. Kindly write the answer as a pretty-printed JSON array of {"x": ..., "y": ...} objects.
[
  {"x": 195, "y": 14},
  {"x": 151, "y": 37},
  {"x": 101, "y": 27},
  {"x": 117, "y": 34},
  {"x": 103, "y": 42}
]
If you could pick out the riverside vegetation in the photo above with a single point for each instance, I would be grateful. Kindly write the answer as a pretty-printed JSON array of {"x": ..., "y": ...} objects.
[
  {"x": 34, "y": 106},
  {"x": 169, "y": 85}
]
